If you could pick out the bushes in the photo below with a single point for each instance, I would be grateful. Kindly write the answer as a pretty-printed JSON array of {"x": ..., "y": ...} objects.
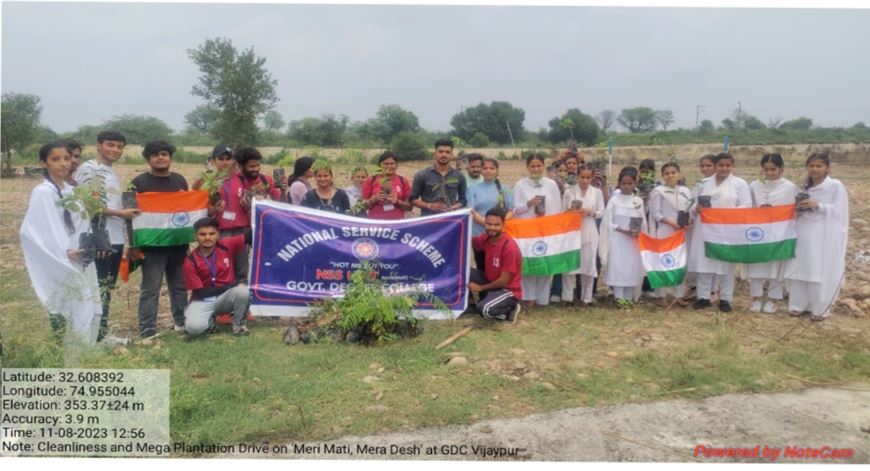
[{"x": 409, "y": 146}]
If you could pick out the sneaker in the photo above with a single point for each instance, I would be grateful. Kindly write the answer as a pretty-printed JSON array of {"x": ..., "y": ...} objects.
[
  {"x": 178, "y": 328},
  {"x": 769, "y": 307},
  {"x": 149, "y": 334},
  {"x": 756, "y": 306},
  {"x": 725, "y": 306},
  {"x": 702, "y": 304},
  {"x": 555, "y": 298},
  {"x": 512, "y": 317},
  {"x": 240, "y": 330}
]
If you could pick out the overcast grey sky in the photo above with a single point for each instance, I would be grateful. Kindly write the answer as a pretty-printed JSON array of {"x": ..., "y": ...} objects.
[{"x": 89, "y": 62}]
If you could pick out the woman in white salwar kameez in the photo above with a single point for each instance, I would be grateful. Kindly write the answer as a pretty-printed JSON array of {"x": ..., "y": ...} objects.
[
  {"x": 814, "y": 276},
  {"x": 49, "y": 240},
  {"x": 694, "y": 237},
  {"x": 774, "y": 190},
  {"x": 666, "y": 201},
  {"x": 726, "y": 191},
  {"x": 618, "y": 248},
  {"x": 591, "y": 208},
  {"x": 528, "y": 193}
]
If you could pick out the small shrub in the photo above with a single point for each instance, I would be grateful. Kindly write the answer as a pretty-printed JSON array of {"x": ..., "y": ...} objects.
[
  {"x": 183, "y": 156},
  {"x": 409, "y": 146},
  {"x": 479, "y": 140},
  {"x": 277, "y": 157}
]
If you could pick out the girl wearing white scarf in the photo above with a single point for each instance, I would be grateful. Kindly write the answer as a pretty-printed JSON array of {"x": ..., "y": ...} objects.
[
  {"x": 592, "y": 208},
  {"x": 618, "y": 247},
  {"x": 49, "y": 240},
  {"x": 726, "y": 191},
  {"x": 814, "y": 276},
  {"x": 772, "y": 191},
  {"x": 666, "y": 201}
]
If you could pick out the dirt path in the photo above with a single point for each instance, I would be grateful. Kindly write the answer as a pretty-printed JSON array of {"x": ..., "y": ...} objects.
[{"x": 837, "y": 417}]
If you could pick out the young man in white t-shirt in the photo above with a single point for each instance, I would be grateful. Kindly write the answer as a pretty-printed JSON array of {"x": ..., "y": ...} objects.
[{"x": 110, "y": 148}]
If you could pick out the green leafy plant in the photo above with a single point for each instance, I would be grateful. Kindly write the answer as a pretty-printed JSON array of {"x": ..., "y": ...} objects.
[
  {"x": 89, "y": 199},
  {"x": 365, "y": 309}
]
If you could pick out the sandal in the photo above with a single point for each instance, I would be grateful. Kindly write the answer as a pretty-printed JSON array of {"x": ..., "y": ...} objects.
[
  {"x": 795, "y": 313},
  {"x": 817, "y": 318}
]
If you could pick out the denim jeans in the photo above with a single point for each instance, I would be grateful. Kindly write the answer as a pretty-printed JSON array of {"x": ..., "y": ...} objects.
[{"x": 154, "y": 265}]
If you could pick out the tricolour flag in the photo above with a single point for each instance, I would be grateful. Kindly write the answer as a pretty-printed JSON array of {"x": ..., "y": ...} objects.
[
  {"x": 167, "y": 217},
  {"x": 550, "y": 244},
  {"x": 749, "y": 235},
  {"x": 664, "y": 259}
]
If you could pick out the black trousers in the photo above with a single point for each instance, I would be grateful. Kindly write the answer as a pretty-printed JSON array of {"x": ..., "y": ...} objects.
[
  {"x": 107, "y": 276},
  {"x": 496, "y": 303}
]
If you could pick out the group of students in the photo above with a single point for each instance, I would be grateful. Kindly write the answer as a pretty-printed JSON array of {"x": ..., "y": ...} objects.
[
  {"x": 214, "y": 272},
  {"x": 812, "y": 278}
]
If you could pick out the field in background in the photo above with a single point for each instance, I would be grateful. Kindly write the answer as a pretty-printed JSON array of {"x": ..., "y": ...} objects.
[{"x": 227, "y": 390}]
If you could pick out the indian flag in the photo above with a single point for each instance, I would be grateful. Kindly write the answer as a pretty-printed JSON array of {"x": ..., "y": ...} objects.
[
  {"x": 550, "y": 244},
  {"x": 167, "y": 217},
  {"x": 664, "y": 259},
  {"x": 749, "y": 235}
]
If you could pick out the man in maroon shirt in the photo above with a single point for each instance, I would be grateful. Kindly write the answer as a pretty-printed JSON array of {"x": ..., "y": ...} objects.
[
  {"x": 210, "y": 277},
  {"x": 499, "y": 285}
]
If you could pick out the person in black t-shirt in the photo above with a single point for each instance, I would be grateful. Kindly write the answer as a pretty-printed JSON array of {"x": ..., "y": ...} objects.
[{"x": 160, "y": 260}]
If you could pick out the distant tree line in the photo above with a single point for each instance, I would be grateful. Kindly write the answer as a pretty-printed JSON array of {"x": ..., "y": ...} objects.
[{"x": 239, "y": 97}]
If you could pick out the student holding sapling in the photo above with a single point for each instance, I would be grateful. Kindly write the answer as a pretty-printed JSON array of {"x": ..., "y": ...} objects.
[
  {"x": 439, "y": 188},
  {"x": 722, "y": 190},
  {"x": 694, "y": 237},
  {"x": 64, "y": 280},
  {"x": 624, "y": 220},
  {"x": 111, "y": 221},
  {"x": 669, "y": 212},
  {"x": 815, "y": 274},
  {"x": 385, "y": 194},
  {"x": 534, "y": 196},
  {"x": 584, "y": 198},
  {"x": 773, "y": 190}
]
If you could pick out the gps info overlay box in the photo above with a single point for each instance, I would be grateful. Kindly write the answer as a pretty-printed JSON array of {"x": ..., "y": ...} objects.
[{"x": 84, "y": 412}]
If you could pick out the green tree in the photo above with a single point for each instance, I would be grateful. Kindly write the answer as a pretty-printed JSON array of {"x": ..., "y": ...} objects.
[
  {"x": 237, "y": 85},
  {"x": 479, "y": 140},
  {"x": 326, "y": 131},
  {"x": 19, "y": 125},
  {"x": 389, "y": 121},
  {"x": 139, "y": 129},
  {"x": 409, "y": 146},
  {"x": 729, "y": 124},
  {"x": 753, "y": 123},
  {"x": 492, "y": 120},
  {"x": 800, "y": 124},
  {"x": 574, "y": 124},
  {"x": 273, "y": 121},
  {"x": 201, "y": 119},
  {"x": 664, "y": 118},
  {"x": 706, "y": 126},
  {"x": 638, "y": 119}
]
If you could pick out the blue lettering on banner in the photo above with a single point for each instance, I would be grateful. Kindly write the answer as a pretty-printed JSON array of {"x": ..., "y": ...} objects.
[{"x": 301, "y": 255}]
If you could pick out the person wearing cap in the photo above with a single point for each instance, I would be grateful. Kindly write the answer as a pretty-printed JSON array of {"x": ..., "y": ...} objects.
[{"x": 221, "y": 160}]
